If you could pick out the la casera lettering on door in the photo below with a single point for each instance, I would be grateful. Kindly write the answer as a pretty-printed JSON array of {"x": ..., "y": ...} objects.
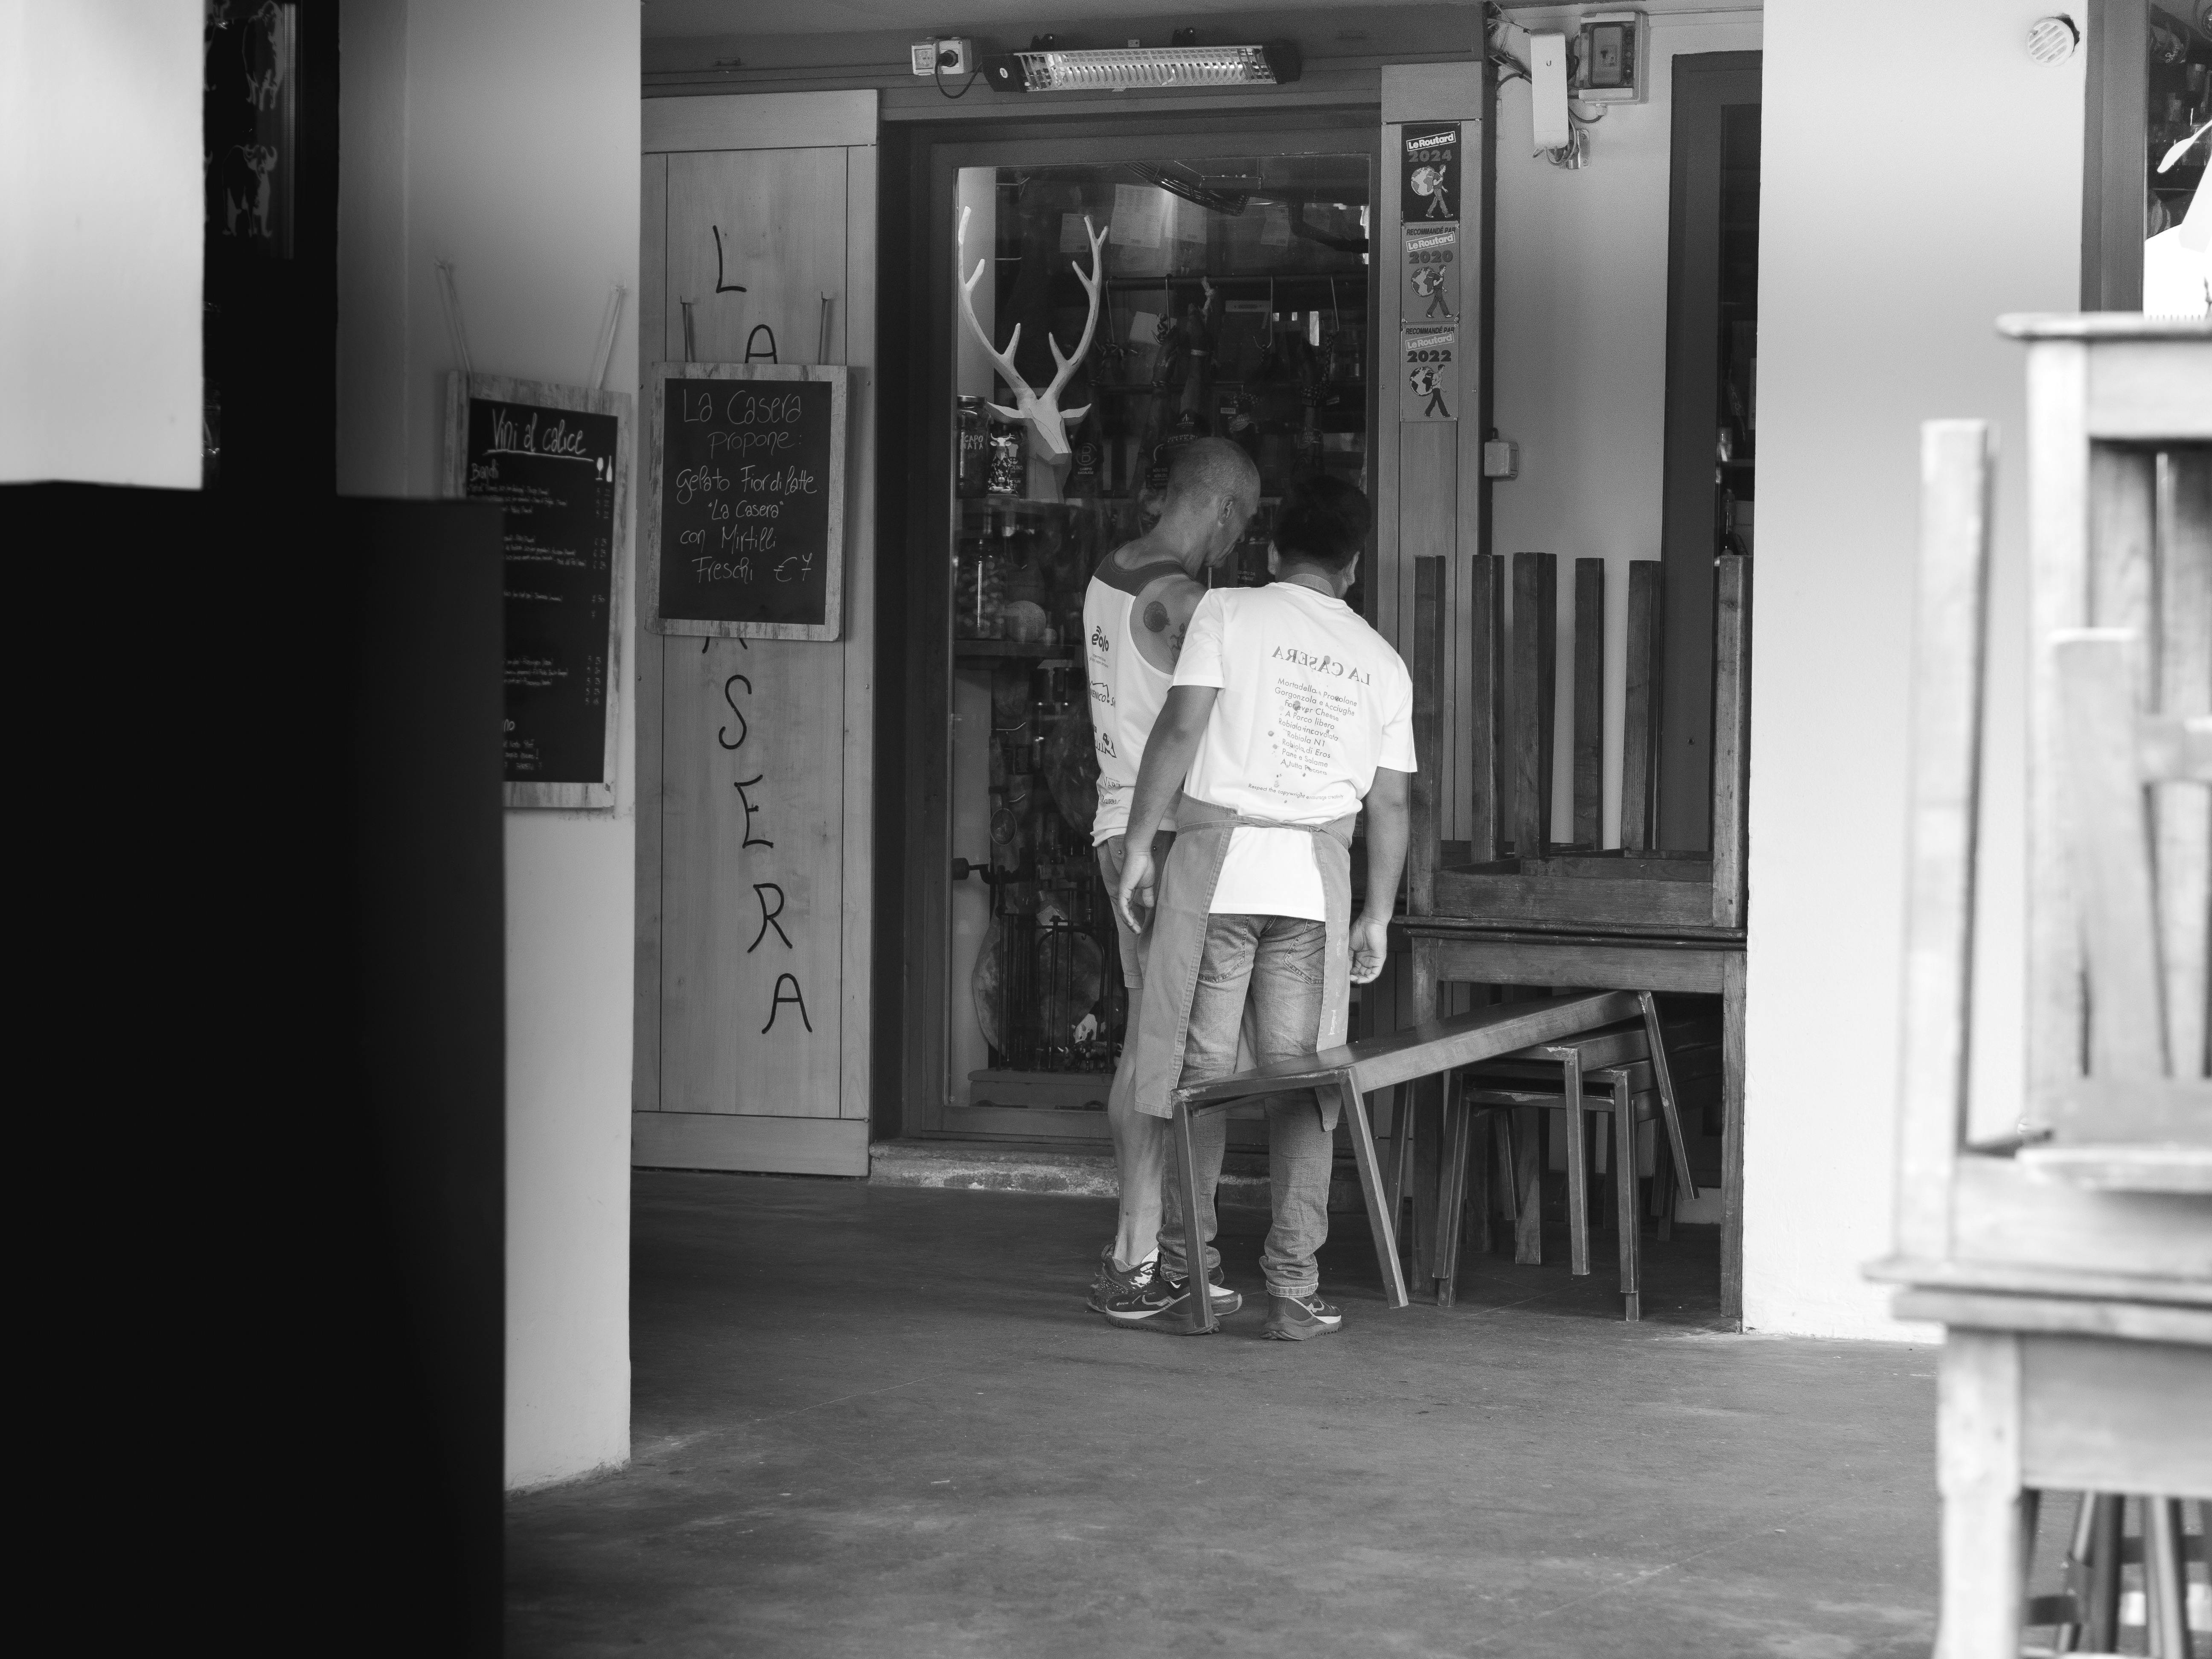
[{"x": 750, "y": 481}]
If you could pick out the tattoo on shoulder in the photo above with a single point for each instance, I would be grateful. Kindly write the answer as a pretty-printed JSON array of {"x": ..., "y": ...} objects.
[{"x": 1155, "y": 617}]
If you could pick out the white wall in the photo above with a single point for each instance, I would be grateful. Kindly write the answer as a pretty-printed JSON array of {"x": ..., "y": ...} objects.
[
  {"x": 1920, "y": 175},
  {"x": 503, "y": 135},
  {"x": 1580, "y": 370},
  {"x": 99, "y": 241}
]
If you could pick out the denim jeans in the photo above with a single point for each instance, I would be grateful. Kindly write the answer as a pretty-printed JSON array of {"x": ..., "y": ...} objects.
[
  {"x": 1140, "y": 1141},
  {"x": 1278, "y": 959}
]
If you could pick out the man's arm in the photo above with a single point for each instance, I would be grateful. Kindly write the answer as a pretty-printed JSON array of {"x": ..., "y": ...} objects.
[
  {"x": 1387, "y": 820},
  {"x": 1161, "y": 616},
  {"x": 1167, "y": 755}
]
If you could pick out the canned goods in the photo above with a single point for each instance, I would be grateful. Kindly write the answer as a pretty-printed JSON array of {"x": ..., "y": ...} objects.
[{"x": 972, "y": 438}]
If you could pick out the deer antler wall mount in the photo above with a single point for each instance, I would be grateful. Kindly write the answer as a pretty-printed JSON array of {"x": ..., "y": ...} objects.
[{"x": 1040, "y": 409}]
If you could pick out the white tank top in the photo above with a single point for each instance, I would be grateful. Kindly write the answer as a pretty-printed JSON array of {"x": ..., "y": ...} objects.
[{"x": 1126, "y": 692}]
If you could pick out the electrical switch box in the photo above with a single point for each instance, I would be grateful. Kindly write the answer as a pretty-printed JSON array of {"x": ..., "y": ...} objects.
[
  {"x": 1501, "y": 458},
  {"x": 1612, "y": 57}
]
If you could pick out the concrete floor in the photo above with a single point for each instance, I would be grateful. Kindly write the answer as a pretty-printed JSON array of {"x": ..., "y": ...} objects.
[{"x": 879, "y": 1422}]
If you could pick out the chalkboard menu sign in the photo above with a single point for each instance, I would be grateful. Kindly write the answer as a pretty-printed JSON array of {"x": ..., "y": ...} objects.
[
  {"x": 745, "y": 500},
  {"x": 557, "y": 458}
]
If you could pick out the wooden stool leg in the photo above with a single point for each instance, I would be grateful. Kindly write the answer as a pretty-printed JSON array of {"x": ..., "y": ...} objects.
[
  {"x": 1529, "y": 1180},
  {"x": 1666, "y": 1082},
  {"x": 1354, "y": 1109},
  {"x": 1426, "y": 1098},
  {"x": 1662, "y": 1186},
  {"x": 1451, "y": 1191},
  {"x": 1401, "y": 1148},
  {"x": 2074, "y": 1573},
  {"x": 1201, "y": 1296},
  {"x": 1624, "y": 1197},
  {"x": 1478, "y": 1177},
  {"x": 1501, "y": 1178},
  {"x": 1577, "y": 1169},
  {"x": 2166, "y": 1578},
  {"x": 2104, "y": 1596}
]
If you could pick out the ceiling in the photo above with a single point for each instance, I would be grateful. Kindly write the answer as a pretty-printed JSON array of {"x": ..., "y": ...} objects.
[{"x": 673, "y": 18}]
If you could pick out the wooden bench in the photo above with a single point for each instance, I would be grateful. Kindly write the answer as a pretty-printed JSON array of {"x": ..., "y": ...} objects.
[
  {"x": 1356, "y": 1070},
  {"x": 1510, "y": 905}
]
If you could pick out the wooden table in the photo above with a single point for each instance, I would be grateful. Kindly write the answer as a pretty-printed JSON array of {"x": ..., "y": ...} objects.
[{"x": 1441, "y": 949}]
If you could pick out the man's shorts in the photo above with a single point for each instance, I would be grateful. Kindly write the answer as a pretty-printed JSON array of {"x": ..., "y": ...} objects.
[{"x": 1110, "y": 858}]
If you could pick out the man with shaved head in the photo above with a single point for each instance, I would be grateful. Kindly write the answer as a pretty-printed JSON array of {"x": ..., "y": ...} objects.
[{"x": 1134, "y": 613}]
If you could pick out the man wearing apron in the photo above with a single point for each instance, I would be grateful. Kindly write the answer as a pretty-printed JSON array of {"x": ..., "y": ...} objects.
[
  {"x": 1134, "y": 612},
  {"x": 1287, "y": 713}
]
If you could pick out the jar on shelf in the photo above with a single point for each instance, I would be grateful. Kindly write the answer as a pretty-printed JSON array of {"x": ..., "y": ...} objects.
[{"x": 1009, "y": 471}]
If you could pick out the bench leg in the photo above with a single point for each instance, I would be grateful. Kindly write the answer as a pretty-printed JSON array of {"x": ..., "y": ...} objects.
[
  {"x": 1529, "y": 1180},
  {"x": 1578, "y": 1168},
  {"x": 1666, "y": 1082},
  {"x": 1379, "y": 1221},
  {"x": 1623, "y": 1198},
  {"x": 1200, "y": 1297}
]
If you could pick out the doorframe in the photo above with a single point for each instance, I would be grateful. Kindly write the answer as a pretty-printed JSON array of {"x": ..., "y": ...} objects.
[
  {"x": 923, "y": 638},
  {"x": 2116, "y": 117},
  {"x": 1705, "y": 85}
]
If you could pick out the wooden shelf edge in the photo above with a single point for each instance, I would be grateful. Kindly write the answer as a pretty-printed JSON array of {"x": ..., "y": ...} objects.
[{"x": 2021, "y": 1278}]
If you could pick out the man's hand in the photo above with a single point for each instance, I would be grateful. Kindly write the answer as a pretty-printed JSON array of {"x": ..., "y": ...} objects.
[
  {"x": 1134, "y": 897},
  {"x": 1370, "y": 948}
]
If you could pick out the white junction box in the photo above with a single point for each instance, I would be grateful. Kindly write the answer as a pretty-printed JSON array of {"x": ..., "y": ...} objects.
[
  {"x": 1547, "y": 88},
  {"x": 1501, "y": 458},
  {"x": 1612, "y": 57},
  {"x": 948, "y": 57}
]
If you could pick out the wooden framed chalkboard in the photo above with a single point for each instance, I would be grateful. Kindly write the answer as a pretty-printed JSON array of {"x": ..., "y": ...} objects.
[
  {"x": 557, "y": 458},
  {"x": 744, "y": 500}
]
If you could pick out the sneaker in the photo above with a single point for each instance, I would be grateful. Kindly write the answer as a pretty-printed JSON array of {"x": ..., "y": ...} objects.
[
  {"x": 1225, "y": 1301},
  {"x": 1295, "y": 1318},
  {"x": 1139, "y": 1297},
  {"x": 1113, "y": 1281}
]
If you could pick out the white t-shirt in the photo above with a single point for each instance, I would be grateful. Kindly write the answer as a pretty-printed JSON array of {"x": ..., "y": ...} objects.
[{"x": 1312, "y": 700}]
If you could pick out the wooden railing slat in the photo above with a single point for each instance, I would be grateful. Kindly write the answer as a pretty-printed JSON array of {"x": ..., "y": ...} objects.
[
  {"x": 1535, "y": 652},
  {"x": 1589, "y": 702}
]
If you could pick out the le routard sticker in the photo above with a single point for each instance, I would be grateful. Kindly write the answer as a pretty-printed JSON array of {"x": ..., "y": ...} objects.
[
  {"x": 1430, "y": 271},
  {"x": 1429, "y": 389},
  {"x": 1429, "y": 175}
]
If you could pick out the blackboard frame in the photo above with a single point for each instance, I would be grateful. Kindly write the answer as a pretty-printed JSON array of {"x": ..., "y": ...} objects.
[
  {"x": 462, "y": 390},
  {"x": 656, "y": 415}
]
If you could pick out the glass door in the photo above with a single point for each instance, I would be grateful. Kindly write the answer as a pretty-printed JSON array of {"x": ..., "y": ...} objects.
[{"x": 1103, "y": 313}]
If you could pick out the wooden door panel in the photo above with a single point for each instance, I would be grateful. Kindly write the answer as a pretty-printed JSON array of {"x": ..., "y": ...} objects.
[
  {"x": 771, "y": 222},
  {"x": 752, "y": 808},
  {"x": 752, "y": 732}
]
